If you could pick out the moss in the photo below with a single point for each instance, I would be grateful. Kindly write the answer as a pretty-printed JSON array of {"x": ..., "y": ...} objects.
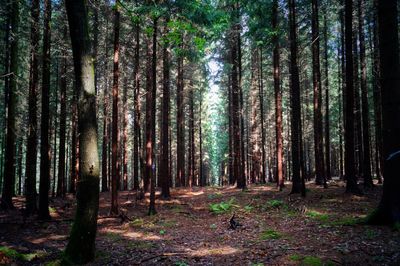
[
  {"x": 311, "y": 261},
  {"x": 275, "y": 203},
  {"x": 270, "y": 234},
  {"x": 13, "y": 254},
  {"x": 322, "y": 217},
  {"x": 295, "y": 257},
  {"x": 347, "y": 221}
]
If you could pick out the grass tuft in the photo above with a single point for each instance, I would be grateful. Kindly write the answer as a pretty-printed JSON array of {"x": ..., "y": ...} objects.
[
  {"x": 322, "y": 217},
  {"x": 311, "y": 261},
  {"x": 270, "y": 234}
]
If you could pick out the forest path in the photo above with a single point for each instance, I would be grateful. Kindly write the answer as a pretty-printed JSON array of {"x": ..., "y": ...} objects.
[{"x": 192, "y": 228}]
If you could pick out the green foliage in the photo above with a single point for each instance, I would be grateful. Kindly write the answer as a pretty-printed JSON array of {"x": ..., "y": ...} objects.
[
  {"x": 311, "y": 261},
  {"x": 222, "y": 206},
  {"x": 370, "y": 234},
  {"x": 270, "y": 234},
  {"x": 162, "y": 232},
  {"x": 275, "y": 203},
  {"x": 137, "y": 223},
  {"x": 295, "y": 257},
  {"x": 52, "y": 210},
  {"x": 13, "y": 254},
  {"x": 322, "y": 217},
  {"x": 181, "y": 263},
  {"x": 248, "y": 208}
]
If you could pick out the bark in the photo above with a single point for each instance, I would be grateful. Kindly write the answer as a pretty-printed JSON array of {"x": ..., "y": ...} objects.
[
  {"x": 278, "y": 100},
  {"x": 81, "y": 245},
  {"x": 115, "y": 132},
  {"x": 164, "y": 166},
  {"x": 152, "y": 140},
  {"x": 44, "y": 185},
  {"x": 364, "y": 99},
  {"x": 191, "y": 159},
  {"x": 180, "y": 124},
  {"x": 31, "y": 150},
  {"x": 318, "y": 132},
  {"x": 137, "y": 131},
  {"x": 261, "y": 100},
  {"x": 350, "y": 176},
  {"x": 63, "y": 120},
  {"x": 388, "y": 211},
  {"x": 297, "y": 175},
  {"x": 125, "y": 137},
  {"x": 327, "y": 97}
]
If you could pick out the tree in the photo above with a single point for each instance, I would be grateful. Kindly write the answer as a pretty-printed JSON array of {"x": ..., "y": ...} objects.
[
  {"x": 180, "y": 121},
  {"x": 298, "y": 177},
  {"x": 115, "y": 135},
  {"x": 164, "y": 166},
  {"x": 318, "y": 133},
  {"x": 351, "y": 186},
  {"x": 44, "y": 185},
  {"x": 364, "y": 100},
  {"x": 278, "y": 98},
  {"x": 9, "y": 168},
  {"x": 31, "y": 150},
  {"x": 63, "y": 118},
  {"x": 81, "y": 245},
  {"x": 388, "y": 211},
  {"x": 327, "y": 112}
]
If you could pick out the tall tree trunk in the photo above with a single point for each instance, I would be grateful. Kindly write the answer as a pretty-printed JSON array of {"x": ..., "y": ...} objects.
[
  {"x": 201, "y": 172},
  {"x": 164, "y": 166},
  {"x": 318, "y": 133},
  {"x": 377, "y": 98},
  {"x": 44, "y": 185},
  {"x": 262, "y": 118},
  {"x": 327, "y": 97},
  {"x": 364, "y": 99},
  {"x": 151, "y": 103},
  {"x": 350, "y": 174},
  {"x": 298, "y": 177},
  {"x": 125, "y": 136},
  {"x": 278, "y": 100},
  {"x": 81, "y": 245},
  {"x": 115, "y": 132},
  {"x": 180, "y": 123},
  {"x": 191, "y": 138},
  {"x": 388, "y": 211},
  {"x": 54, "y": 151},
  {"x": 63, "y": 119},
  {"x": 136, "y": 133},
  {"x": 31, "y": 149}
]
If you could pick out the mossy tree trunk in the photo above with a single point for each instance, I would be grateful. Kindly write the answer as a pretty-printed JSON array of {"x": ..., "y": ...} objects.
[{"x": 81, "y": 246}]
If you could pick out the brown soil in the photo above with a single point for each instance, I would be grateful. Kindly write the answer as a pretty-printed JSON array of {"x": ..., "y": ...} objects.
[{"x": 276, "y": 229}]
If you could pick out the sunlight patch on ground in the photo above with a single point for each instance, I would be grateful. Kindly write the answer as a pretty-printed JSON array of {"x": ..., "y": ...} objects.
[
  {"x": 47, "y": 238},
  {"x": 202, "y": 252},
  {"x": 141, "y": 236},
  {"x": 191, "y": 194}
]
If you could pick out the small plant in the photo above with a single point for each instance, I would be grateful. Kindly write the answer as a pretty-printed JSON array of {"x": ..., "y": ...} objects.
[
  {"x": 52, "y": 210},
  {"x": 248, "y": 208},
  {"x": 275, "y": 203},
  {"x": 295, "y": 257},
  {"x": 162, "y": 232},
  {"x": 270, "y": 234},
  {"x": 311, "y": 261},
  {"x": 13, "y": 254},
  {"x": 136, "y": 223},
  {"x": 213, "y": 226},
  {"x": 257, "y": 264},
  {"x": 222, "y": 207},
  {"x": 322, "y": 217}
]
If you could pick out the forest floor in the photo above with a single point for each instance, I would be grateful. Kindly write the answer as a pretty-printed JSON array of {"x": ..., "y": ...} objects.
[{"x": 193, "y": 229}]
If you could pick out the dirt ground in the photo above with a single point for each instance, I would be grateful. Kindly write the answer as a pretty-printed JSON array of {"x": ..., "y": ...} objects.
[{"x": 193, "y": 229}]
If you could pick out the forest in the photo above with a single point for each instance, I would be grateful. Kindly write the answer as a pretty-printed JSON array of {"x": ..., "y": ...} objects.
[{"x": 199, "y": 132}]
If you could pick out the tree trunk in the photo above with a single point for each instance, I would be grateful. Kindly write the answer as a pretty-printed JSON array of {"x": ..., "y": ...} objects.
[
  {"x": 136, "y": 133},
  {"x": 261, "y": 99},
  {"x": 125, "y": 137},
  {"x": 31, "y": 149},
  {"x": 164, "y": 166},
  {"x": 44, "y": 138},
  {"x": 151, "y": 103},
  {"x": 278, "y": 101},
  {"x": 327, "y": 112},
  {"x": 180, "y": 123},
  {"x": 364, "y": 99},
  {"x": 81, "y": 245},
  {"x": 298, "y": 177},
  {"x": 318, "y": 133},
  {"x": 63, "y": 119},
  {"x": 388, "y": 211},
  {"x": 350, "y": 174},
  {"x": 115, "y": 132}
]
